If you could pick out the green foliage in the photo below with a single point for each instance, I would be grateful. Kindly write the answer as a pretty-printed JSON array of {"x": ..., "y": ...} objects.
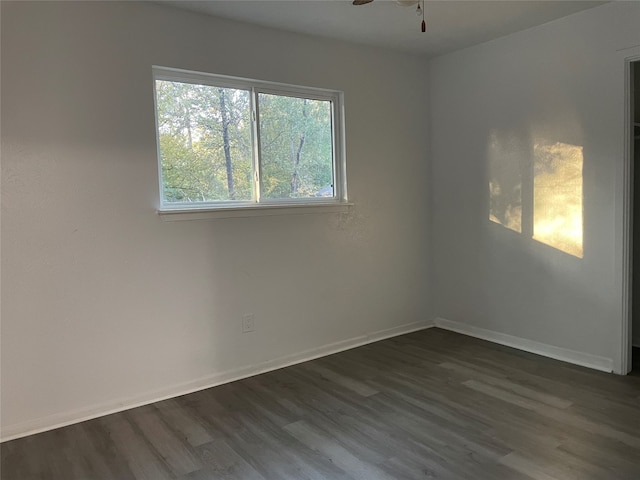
[
  {"x": 204, "y": 129},
  {"x": 295, "y": 140}
]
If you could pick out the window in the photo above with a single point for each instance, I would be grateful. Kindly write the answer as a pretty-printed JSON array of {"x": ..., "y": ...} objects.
[{"x": 231, "y": 143}]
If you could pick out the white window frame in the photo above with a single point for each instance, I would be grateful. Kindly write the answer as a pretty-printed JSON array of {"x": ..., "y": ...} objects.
[{"x": 257, "y": 206}]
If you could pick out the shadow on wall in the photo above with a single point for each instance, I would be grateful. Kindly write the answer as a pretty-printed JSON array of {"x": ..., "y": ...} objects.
[{"x": 540, "y": 194}]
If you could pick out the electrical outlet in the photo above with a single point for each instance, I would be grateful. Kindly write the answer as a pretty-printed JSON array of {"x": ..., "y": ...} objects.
[{"x": 248, "y": 323}]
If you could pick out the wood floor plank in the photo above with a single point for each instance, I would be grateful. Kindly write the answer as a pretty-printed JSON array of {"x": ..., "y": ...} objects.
[
  {"x": 609, "y": 455},
  {"x": 94, "y": 453},
  {"x": 508, "y": 423},
  {"x": 337, "y": 454},
  {"x": 566, "y": 418},
  {"x": 23, "y": 459},
  {"x": 505, "y": 384},
  {"x": 221, "y": 462},
  {"x": 340, "y": 429},
  {"x": 355, "y": 386},
  {"x": 140, "y": 458},
  {"x": 175, "y": 453},
  {"x": 428, "y": 405},
  {"x": 178, "y": 417},
  {"x": 529, "y": 468}
]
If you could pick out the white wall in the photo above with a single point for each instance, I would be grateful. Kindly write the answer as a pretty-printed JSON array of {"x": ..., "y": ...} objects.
[
  {"x": 562, "y": 82},
  {"x": 103, "y": 303}
]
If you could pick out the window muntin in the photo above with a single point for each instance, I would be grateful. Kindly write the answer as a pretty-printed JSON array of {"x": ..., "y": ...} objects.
[{"x": 226, "y": 142}]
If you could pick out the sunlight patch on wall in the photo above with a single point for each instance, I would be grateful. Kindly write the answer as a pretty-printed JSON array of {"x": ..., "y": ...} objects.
[
  {"x": 505, "y": 181},
  {"x": 557, "y": 203}
]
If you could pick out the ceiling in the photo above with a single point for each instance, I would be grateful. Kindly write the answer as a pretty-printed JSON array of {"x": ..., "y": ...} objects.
[{"x": 451, "y": 24}]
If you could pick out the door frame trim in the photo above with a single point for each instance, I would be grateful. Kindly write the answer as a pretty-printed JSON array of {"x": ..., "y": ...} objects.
[{"x": 627, "y": 220}]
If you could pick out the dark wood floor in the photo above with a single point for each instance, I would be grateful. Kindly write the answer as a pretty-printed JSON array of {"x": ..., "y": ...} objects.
[{"x": 428, "y": 405}]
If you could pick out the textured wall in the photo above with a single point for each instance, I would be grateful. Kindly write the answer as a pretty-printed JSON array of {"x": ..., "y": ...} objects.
[
  {"x": 103, "y": 303},
  {"x": 495, "y": 107}
]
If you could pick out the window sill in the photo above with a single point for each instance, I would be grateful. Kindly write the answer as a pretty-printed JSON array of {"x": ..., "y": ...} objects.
[{"x": 180, "y": 214}]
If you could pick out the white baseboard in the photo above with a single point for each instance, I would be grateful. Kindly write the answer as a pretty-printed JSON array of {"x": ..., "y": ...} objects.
[
  {"x": 58, "y": 420},
  {"x": 571, "y": 356}
]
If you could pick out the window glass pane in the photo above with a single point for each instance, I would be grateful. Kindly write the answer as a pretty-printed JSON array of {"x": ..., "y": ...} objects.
[
  {"x": 205, "y": 142},
  {"x": 296, "y": 147}
]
